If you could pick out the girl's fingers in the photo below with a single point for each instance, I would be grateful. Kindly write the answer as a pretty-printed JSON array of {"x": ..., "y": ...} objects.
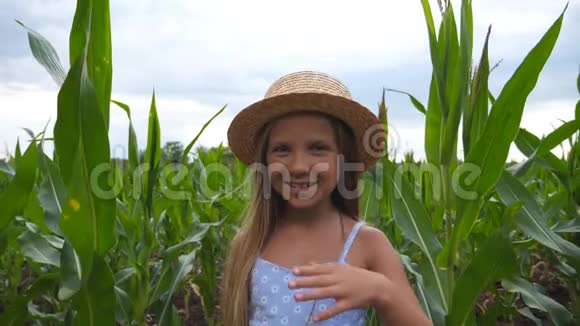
[
  {"x": 334, "y": 310},
  {"x": 316, "y": 294},
  {"x": 311, "y": 282},
  {"x": 314, "y": 269}
]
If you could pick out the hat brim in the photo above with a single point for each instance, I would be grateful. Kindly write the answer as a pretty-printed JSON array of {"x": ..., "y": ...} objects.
[{"x": 367, "y": 128}]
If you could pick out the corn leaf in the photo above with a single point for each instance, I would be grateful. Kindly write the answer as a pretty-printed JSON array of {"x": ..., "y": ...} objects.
[
  {"x": 14, "y": 199},
  {"x": 7, "y": 169},
  {"x": 457, "y": 63},
  {"x": 494, "y": 260},
  {"x": 436, "y": 61},
  {"x": 529, "y": 218},
  {"x": 133, "y": 148},
  {"x": 46, "y": 55},
  {"x": 412, "y": 217},
  {"x": 420, "y": 291},
  {"x": 51, "y": 191},
  {"x": 192, "y": 143},
  {"x": 91, "y": 33},
  {"x": 95, "y": 302},
  {"x": 71, "y": 272},
  {"x": 529, "y": 143},
  {"x": 34, "y": 213},
  {"x": 537, "y": 300},
  {"x": 416, "y": 103},
  {"x": 82, "y": 145},
  {"x": 433, "y": 125},
  {"x": 184, "y": 267},
  {"x": 15, "y": 313},
  {"x": 197, "y": 234},
  {"x": 490, "y": 152},
  {"x": 558, "y": 136},
  {"x": 152, "y": 155},
  {"x": 572, "y": 225},
  {"x": 38, "y": 249},
  {"x": 476, "y": 109},
  {"x": 123, "y": 306}
]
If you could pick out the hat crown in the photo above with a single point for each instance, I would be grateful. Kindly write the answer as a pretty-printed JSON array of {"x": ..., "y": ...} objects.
[{"x": 308, "y": 82}]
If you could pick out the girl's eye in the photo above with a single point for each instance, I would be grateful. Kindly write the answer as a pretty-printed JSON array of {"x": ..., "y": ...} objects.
[
  {"x": 280, "y": 149},
  {"x": 320, "y": 147}
]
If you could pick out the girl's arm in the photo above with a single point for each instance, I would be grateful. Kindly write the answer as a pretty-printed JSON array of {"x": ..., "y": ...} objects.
[{"x": 395, "y": 300}]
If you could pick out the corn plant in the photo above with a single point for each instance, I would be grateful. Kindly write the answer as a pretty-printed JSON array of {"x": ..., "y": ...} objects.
[
  {"x": 479, "y": 193},
  {"x": 96, "y": 238},
  {"x": 92, "y": 240}
]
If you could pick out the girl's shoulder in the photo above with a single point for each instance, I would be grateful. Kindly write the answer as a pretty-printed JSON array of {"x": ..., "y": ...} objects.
[{"x": 375, "y": 244}]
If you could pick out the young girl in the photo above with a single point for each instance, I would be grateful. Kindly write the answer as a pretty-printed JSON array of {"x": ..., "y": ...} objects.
[{"x": 302, "y": 254}]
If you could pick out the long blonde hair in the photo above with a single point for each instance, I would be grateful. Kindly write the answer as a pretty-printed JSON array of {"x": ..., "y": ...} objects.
[{"x": 260, "y": 220}]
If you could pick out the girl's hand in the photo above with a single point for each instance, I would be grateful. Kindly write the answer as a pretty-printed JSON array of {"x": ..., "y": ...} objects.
[{"x": 351, "y": 286}]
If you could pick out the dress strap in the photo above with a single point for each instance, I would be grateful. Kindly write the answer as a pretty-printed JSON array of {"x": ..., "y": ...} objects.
[{"x": 349, "y": 241}]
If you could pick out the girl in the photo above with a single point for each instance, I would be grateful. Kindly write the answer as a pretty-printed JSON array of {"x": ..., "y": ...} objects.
[{"x": 302, "y": 255}]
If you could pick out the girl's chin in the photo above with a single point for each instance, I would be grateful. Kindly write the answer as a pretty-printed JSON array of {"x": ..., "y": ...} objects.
[
  {"x": 304, "y": 200},
  {"x": 298, "y": 203}
]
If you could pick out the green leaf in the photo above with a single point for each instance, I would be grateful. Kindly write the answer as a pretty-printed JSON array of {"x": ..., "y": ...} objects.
[
  {"x": 494, "y": 260},
  {"x": 15, "y": 197},
  {"x": 572, "y": 225},
  {"x": 17, "y": 153},
  {"x": 133, "y": 148},
  {"x": 51, "y": 192},
  {"x": 457, "y": 64},
  {"x": 476, "y": 110},
  {"x": 528, "y": 144},
  {"x": 123, "y": 306},
  {"x": 82, "y": 147},
  {"x": 438, "y": 76},
  {"x": 535, "y": 299},
  {"x": 46, "y": 55},
  {"x": 433, "y": 125},
  {"x": 15, "y": 313},
  {"x": 124, "y": 274},
  {"x": 7, "y": 169},
  {"x": 416, "y": 103},
  {"x": 152, "y": 155},
  {"x": 196, "y": 235},
  {"x": 185, "y": 266},
  {"x": 71, "y": 272},
  {"x": 38, "y": 249},
  {"x": 422, "y": 295},
  {"x": 526, "y": 312},
  {"x": 412, "y": 218},
  {"x": 529, "y": 218},
  {"x": 95, "y": 302},
  {"x": 192, "y": 143},
  {"x": 558, "y": 136},
  {"x": 91, "y": 33},
  {"x": 491, "y": 151},
  {"x": 34, "y": 213}
]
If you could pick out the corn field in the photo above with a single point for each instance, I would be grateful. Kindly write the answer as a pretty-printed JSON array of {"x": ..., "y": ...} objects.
[{"x": 88, "y": 239}]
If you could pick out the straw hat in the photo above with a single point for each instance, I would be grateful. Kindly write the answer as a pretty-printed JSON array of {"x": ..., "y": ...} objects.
[{"x": 307, "y": 91}]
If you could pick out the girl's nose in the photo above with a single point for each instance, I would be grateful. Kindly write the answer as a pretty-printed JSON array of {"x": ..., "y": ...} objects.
[{"x": 298, "y": 164}]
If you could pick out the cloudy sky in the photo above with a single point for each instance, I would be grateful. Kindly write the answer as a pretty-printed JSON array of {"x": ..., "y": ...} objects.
[{"x": 201, "y": 55}]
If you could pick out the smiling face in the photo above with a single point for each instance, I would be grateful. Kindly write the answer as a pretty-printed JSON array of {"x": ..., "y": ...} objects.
[{"x": 302, "y": 159}]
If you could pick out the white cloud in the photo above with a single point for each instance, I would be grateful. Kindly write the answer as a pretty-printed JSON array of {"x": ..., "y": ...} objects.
[
  {"x": 202, "y": 55},
  {"x": 27, "y": 106},
  {"x": 539, "y": 118}
]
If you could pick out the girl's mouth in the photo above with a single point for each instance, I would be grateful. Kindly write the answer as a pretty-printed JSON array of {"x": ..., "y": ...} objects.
[{"x": 300, "y": 186}]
